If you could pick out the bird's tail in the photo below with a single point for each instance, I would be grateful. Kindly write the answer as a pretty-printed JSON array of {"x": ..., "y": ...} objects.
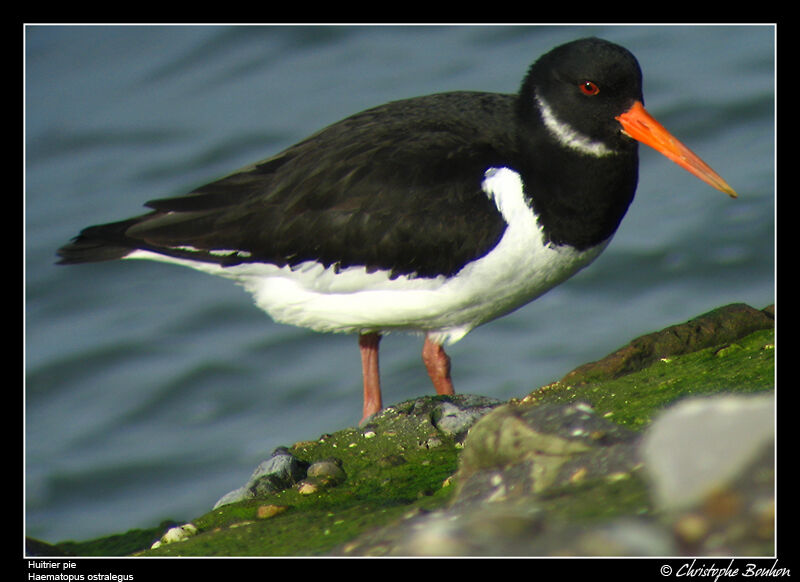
[{"x": 104, "y": 242}]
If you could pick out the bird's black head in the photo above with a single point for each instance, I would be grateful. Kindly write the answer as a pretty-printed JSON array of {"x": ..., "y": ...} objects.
[{"x": 577, "y": 90}]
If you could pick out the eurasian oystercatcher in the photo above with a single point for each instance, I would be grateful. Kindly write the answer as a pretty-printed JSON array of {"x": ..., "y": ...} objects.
[{"x": 432, "y": 215}]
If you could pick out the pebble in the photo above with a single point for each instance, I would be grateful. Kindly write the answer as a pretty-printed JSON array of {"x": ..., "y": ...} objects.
[
  {"x": 179, "y": 533},
  {"x": 279, "y": 472},
  {"x": 329, "y": 471},
  {"x": 271, "y": 510},
  {"x": 307, "y": 487}
]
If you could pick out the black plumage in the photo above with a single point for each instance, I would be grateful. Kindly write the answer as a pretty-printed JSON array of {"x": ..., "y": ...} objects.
[{"x": 396, "y": 188}]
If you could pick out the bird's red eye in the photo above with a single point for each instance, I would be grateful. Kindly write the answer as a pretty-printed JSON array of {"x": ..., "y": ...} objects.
[{"x": 589, "y": 88}]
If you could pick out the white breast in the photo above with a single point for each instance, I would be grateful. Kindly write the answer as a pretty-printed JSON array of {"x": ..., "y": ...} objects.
[{"x": 519, "y": 269}]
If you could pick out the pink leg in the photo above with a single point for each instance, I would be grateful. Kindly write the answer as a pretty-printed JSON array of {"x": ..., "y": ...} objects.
[
  {"x": 368, "y": 344},
  {"x": 438, "y": 364}
]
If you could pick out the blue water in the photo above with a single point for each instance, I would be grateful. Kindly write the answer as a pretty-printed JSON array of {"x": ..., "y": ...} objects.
[{"x": 152, "y": 390}]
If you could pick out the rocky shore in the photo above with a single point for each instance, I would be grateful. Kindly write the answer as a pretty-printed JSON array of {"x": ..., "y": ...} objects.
[{"x": 663, "y": 448}]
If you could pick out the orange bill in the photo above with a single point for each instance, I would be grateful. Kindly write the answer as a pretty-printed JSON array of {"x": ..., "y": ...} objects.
[{"x": 641, "y": 126}]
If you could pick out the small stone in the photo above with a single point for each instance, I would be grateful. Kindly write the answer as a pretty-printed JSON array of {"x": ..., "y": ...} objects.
[
  {"x": 431, "y": 443},
  {"x": 307, "y": 487},
  {"x": 279, "y": 472},
  {"x": 234, "y": 496},
  {"x": 271, "y": 510},
  {"x": 456, "y": 417},
  {"x": 179, "y": 533},
  {"x": 329, "y": 471}
]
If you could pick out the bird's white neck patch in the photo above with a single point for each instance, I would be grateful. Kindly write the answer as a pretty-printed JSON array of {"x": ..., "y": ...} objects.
[{"x": 569, "y": 136}]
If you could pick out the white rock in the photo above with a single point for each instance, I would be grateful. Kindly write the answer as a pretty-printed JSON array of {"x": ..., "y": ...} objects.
[
  {"x": 700, "y": 444},
  {"x": 179, "y": 533}
]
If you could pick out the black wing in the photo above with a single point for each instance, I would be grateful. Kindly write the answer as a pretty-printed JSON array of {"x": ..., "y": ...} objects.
[{"x": 396, "y": 188}]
